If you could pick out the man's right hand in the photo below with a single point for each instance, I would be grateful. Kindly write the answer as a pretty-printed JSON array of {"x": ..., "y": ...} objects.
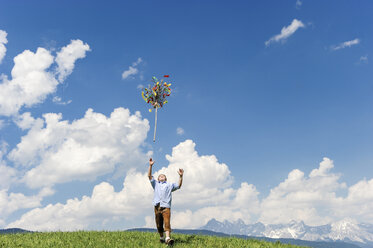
[{"x": 151, "y": 162}]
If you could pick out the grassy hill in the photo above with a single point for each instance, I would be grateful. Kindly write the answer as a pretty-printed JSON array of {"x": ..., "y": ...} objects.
[
  {"x": 299, "y": 242},
  {"x": 86, "y": 239}
]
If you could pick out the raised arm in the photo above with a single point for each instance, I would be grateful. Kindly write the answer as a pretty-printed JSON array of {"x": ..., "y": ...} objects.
[
  {"x": 151, "y": 162},
  {"x": 181, "y": 173}
]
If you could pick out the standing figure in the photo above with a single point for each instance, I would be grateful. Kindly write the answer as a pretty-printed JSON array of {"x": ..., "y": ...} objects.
[{"x": 162, "y": 202}]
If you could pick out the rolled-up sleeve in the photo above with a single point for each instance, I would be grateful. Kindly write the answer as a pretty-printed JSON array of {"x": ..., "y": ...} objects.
[
  {"x": 152, "y": 182},
  {"x": 175, "y": 186}
]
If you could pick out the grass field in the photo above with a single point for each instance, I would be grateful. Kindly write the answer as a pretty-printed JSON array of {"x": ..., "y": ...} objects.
[{"x": 86, "y": 239}]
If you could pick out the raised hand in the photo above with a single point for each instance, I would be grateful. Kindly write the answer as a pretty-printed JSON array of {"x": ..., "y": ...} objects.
[
  {"x": 151, "y": 162},
  {"x": 180, "y": 172}
]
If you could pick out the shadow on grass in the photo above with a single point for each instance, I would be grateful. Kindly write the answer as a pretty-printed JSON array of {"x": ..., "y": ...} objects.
[{"x": 190, "y": 239}]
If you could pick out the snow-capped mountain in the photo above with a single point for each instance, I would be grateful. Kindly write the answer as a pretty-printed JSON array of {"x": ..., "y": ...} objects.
[
  {"x": 350, "y": 229},
  {"x": 345, "y": 230}
]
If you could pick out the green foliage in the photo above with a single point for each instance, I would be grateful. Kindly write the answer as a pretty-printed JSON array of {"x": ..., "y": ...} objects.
[{"x": 90, "y": 239}]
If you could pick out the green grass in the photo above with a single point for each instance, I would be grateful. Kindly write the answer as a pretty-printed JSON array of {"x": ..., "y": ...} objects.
[{"x": 87, "y": 239}]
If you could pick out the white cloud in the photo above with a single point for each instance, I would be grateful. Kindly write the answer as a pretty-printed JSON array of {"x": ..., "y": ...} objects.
[
  {"x": 286, "y": 32},
  {"x": 207, "y": 190},
  {"x": 102, "y": 206},
  {"x": 12, "y": 202},
  {"x": 198, "y": 188},
  {"x": 346, "y": 44},
  {"x": 67, "y": 57},
  {"x": 364, "y": 59},
  {"x": 242, "y": 204},
  {"x": 26, "y": 121},
  {"x": 359, "y": 202},
  {"x": 201, "y": 195},
  {"x": 58, "y": 100},
  {"x": 137, "y": 62},
  {"x": 311, "y": 199},
  {"x": 180, "y": 131},
  {"x": 207, "y": 193},
  {"x": 3, "y": 149},
  {"x": 31, "y": 80},
  {"x": 7, "y": 174},
  {"x": 132, "y": 70},
  {"x": 3, "y": 41},
  {"x": 298, "y": 4},
  {"x": 30, "y": 83},
  {"x": 59, "y": 151}
]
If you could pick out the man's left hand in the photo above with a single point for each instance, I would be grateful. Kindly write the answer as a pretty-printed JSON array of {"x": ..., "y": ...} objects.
[{"x": 181, "y": 172}]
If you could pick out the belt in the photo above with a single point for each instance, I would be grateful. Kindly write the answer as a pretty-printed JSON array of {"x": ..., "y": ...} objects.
[{"x": 160, "y": 208}]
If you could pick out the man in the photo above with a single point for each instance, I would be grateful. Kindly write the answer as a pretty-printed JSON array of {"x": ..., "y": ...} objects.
[{"x": 162, "y": 202}]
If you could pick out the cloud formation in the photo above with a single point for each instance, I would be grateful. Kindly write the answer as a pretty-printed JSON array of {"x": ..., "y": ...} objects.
[
  {"x": 311, "y": 199},
  {"x": 58, "y": 100},
  {"x": 11, "y": 202},
  {"x": 346, "y": 44},
  {"x": 180, "y": 131},
  {"x": 33, "y": 80},
  {"x": 26, "y": 121},
  {"x": 7, "y": 174},
  {"x": 241, "y": 203},
  {"x": 363, "y": 59},
  {"x": 102, "y": 206},
  {"x": 298, "y": 4},
  {"x": 202, "y": 197},
  {"x": 286, "y": 32},
  {"x": 56, "y": 151},
  {"x": 3, "y": 41},
  {"x": 67, "y": 57},
  {"x": 132, "y": 70},
  {"x": 207, "y": 193},
  {"x": 30, "y": 83}
]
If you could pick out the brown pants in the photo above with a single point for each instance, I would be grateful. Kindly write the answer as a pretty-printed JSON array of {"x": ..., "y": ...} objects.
[{"x": 162, "y": 216}]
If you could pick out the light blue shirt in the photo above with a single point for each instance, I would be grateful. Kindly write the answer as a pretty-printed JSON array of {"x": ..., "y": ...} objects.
[{"x": 162, "y": 192}]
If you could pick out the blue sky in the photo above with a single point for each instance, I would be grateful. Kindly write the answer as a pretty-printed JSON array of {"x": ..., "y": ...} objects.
[{"x": 266, "y": 87}]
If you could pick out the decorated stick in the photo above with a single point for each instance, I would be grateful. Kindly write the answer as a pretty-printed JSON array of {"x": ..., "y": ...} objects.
[
  {"x": 156, "y": 95},
  {"x": 155, "y": 126}
]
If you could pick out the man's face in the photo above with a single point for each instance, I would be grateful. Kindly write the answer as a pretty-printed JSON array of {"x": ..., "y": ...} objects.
[{"x": 162, "y": 178}]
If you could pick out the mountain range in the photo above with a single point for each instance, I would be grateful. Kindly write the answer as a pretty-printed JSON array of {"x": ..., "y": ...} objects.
[
  {"x": 12, "y": 231},
  {"x": 346, "y": 230},
  {"x": 313, "y": 244}
]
